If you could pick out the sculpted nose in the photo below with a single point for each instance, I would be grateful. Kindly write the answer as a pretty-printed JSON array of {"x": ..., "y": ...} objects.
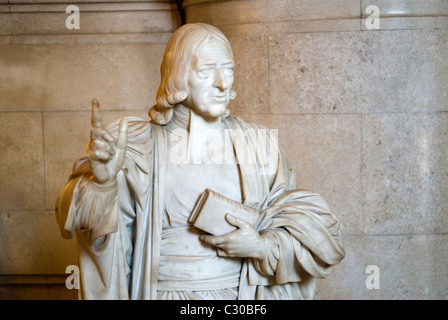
[{"x": 220, "y": 80}]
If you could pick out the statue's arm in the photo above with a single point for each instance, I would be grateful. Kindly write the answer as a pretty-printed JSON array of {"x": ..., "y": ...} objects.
[
  {"x": 304, "y": 238},
  {"x": 89, "y": 199},
  {"x": 82, "y": 204}
]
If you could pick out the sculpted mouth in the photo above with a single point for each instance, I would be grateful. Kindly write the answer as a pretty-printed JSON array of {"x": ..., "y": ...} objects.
[{"x": 220, "y": 98}]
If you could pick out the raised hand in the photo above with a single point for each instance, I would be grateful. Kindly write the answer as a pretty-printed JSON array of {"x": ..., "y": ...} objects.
[
  {"x": 244, "y": 242},
  {"x": 105, "y": 154}
]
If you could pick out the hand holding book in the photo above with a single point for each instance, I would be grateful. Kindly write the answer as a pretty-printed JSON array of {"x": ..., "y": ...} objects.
[
  {"x": 231, "y": 224},
  {"x": 244, "y": 242},
  {"x": 211, "y": 209}
]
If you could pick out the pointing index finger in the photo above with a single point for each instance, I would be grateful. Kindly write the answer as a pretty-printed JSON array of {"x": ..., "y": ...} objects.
[{"x": 96, "y": 119}]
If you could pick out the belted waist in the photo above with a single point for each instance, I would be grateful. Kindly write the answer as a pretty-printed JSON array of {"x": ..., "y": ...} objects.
[
  {"x": 186, "y": 263},
  {"x": 184, "y": 241}
]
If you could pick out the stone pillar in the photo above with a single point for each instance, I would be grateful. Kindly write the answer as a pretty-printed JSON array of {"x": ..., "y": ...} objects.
[{"x": 362, "y": 115}]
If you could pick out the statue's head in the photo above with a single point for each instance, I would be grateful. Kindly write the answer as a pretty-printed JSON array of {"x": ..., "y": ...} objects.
[{"x": 197, "y": 71}]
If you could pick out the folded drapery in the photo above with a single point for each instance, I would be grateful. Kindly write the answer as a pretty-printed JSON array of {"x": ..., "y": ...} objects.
[{"x": 189, "y": 264}]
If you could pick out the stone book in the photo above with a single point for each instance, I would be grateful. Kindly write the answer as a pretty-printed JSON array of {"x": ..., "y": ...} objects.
[{"x": 209, "y": 213}]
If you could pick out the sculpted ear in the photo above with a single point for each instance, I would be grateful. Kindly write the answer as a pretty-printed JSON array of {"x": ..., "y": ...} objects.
[{"x": 232, "y": 94}]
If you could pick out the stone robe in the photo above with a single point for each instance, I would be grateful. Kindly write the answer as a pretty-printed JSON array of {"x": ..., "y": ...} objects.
[{"x": 119, "y": 227}]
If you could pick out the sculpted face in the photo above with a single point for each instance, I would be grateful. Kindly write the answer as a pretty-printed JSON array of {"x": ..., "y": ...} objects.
[{"x": 210, "y": 79}]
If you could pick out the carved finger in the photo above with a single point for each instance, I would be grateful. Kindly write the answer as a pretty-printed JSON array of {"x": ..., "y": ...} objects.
[
  {"x": 96, "y": 119},
  {"x": 102, "y": 133},
  {"x": 102, "y": 145},
  {"x": 236, "y": 222},
  {"x": 122, "y": 135},
  {"x": 99, "y": 155},
  {"x": 216, "y": 241},
  {"x": 222, "y": 253}
]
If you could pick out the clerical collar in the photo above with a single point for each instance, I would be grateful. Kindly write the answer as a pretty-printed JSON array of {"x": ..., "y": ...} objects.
[
  {"x": 181, "y": 117},
  {"x": 200, "y": 136}
]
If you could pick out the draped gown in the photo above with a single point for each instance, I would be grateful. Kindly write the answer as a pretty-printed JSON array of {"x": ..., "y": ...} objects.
[{"x": 135, "y": 242}]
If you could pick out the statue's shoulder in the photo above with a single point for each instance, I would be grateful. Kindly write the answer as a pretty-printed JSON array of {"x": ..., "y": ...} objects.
[
  {"x": 136, "y": 125},
  {"x": 240, "y": 123},
  {"x": 141, "y": 132}
]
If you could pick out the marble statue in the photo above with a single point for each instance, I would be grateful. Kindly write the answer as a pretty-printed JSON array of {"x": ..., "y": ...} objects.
[{"x": 136, "y": 182}]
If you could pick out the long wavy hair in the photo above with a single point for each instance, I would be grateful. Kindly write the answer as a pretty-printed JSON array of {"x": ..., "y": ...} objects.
[{"x": 179, "y": 54}]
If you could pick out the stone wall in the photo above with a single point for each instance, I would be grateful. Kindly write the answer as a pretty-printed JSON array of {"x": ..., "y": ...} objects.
[
  {"x": 361, "y": 114},
  {"x": 49, "y": 74}
]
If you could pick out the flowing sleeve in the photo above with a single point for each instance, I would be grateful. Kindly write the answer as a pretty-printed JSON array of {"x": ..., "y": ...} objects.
[
  {"x": 103, "y": 217},
  {"x": 84, "y": 205},
  {"x": 304, "y": 243},
  {"x": 304, "y": 235}
]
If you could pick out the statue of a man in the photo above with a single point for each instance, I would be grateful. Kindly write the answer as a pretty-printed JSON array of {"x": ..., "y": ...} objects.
[{"x": 135, "y": 184}]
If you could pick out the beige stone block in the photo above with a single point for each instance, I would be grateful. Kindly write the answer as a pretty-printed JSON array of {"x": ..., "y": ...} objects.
[
  {"x": 54, "y": 1},
  {"x": 81, "y": 1},
  {"x": 21, "y": 161},
  {"x": 410, "y": 267},
  {"x": 358, "y": 72},
  {"x": 101, "y": 21},
  {"x": 407, "y": 8},
  {"x": 32, "y": 244},
  {"x": 5, "y": 23},
  {"x": 37, "y": 292},
  {"x": 291, "y": 73},
  {"x": 404, "y": 173},
  {"x": 239, "y": 12},
  {"x": 410, "y": 23},
  {"x": 66, "y": 133},
  {"x": 81, "y": 39},
  {"x": 297, "y": 138},
  {"x": 251, "y": 74},
  {"x": 89, "y": 5},
  {"x": 441, "y": 69},
  {"x": 399, "y": 71},
  {"x": 5, "y": 40},
  {"x": 67, "y": 77},
  {"x": 22, "y": 79},
  {"x": 294, "y": 26},
  {"x": 44, "y": 22},
  {"x": 379, "y": 71},
  {"x": 338, "y": 178},
  {"x": 339, "y": 81}
]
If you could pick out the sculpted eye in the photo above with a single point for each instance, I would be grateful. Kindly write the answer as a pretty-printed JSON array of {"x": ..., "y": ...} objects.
[
  {"x": 228, "y": 71},
  {"x": 206, "y": 72}
]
